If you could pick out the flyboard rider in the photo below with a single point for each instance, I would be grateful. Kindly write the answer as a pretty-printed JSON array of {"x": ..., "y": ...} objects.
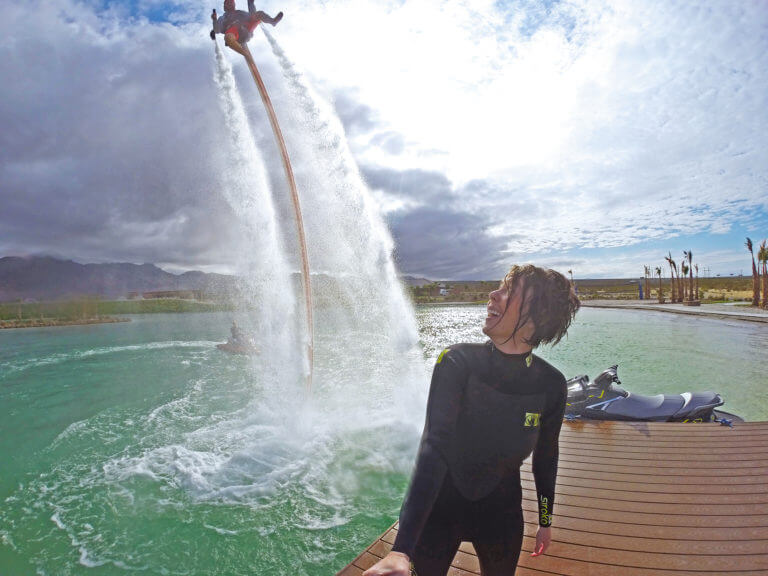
[{"x": 238, "y": 25}]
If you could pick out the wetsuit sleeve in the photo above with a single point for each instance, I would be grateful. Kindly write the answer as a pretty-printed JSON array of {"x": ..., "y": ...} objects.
[
  {"x": 251, "y": 7},
  {"x": 545, "y": 453},
  {"x": 448, "y": 380}
]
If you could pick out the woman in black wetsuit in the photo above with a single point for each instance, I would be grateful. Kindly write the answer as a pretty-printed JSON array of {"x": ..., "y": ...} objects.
[{"x": 490, "y": 405}]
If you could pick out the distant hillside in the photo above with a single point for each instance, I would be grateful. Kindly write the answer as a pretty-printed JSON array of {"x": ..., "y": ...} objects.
[
  {"x": 45, "y": 278},
  {"x": 413, "y": 281}
]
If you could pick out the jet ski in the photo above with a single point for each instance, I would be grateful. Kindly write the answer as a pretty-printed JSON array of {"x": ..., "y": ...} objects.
[
  {"x": 245, "y": 348},
  {"x": 604, "y": 399},
  {"x": 238, "y": 342}
]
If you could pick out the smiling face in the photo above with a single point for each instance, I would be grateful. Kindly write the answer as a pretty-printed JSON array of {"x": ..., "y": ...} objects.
[
  {"x": 505, "y": 305},
  {"x": 229, "y": 5}
]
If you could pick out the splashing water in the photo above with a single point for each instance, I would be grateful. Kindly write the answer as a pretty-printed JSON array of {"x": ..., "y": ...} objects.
[
  {"x": 348, "y": 240},
  {"x": 265, "y": 285},
  {"x": 161, "y": 454}
]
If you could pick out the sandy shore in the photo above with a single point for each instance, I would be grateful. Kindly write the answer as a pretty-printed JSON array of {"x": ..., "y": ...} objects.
[{"x": 724, "y": 311}]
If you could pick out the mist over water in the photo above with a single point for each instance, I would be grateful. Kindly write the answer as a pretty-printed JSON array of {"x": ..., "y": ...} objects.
[
  {"x": 349, "y": 244},
  {"x": 267, "y": 299}
]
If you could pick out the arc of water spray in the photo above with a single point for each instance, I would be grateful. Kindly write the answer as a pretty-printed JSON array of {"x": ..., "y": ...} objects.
[{"x": 294, "y": 196}]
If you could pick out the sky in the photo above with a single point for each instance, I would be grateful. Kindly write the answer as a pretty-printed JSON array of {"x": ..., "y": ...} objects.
[{"x": 588, "y": 135}]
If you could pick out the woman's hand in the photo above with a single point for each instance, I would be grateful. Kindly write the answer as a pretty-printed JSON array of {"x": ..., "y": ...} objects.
[
  {"x": 393, "y": 564},
  {"x": 543, "y": 539}
]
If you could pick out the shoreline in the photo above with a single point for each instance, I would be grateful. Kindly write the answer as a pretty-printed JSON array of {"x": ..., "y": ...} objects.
[
  {"x": 719, "y": 311},
  {"x": 51, "y": 322}
]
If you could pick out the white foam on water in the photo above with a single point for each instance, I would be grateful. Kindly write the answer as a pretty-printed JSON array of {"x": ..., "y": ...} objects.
[
  {"x": 222, "y": 531},
  {"x": 72, "y": 355},
  {"x": 71, "y": 430}
]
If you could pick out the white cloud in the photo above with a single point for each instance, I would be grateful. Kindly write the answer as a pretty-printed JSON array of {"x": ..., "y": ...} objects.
[{"x": 546, "y": 127}]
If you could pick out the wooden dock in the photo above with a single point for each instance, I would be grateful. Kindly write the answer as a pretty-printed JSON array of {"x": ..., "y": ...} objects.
[{"x": 637, "y": 498}]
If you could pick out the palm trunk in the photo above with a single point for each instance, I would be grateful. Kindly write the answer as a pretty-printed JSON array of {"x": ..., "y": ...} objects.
[
  {"x": 765, "y": 284},
  {"x": 697, "y": 285},
  {"x": 691, "y": 295},
  {"x": 673, "y": 294},
  {"x": 680, "y": 289},
  {"x": 661, "y": 294},
  {"x": 755, "y": 284}
]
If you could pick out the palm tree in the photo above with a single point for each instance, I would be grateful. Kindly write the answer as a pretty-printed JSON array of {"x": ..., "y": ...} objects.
[
  {"x": 689, "y": 256},
  {"x": 684, "y": 273},
  {"x": 661, "y": 293},
  {"x": 672, "y": 268},
  {"x": 647, "y": 272},
  {"x": 762, "y": 256},
  {"x": 755, "y": 277},
  {"x": 696, "y": 291},
  {"x": 573, "y": 284}
]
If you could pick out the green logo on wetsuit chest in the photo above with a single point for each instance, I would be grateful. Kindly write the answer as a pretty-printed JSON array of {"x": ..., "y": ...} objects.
[{"x": 531, "y": 419}]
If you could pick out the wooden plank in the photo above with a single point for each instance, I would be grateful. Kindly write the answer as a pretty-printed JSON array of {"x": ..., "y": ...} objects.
[
  {"x": 351, "y": 570},
  {"x": 366, "y": 560},
  {"x": 654, "y": 545},
  {"x": 721, "y": 438},
  {"x": 568, "y": 454},
  {"x": 645, "y": 498},
  {"x": 744, "y": 541},
  {"x": 694, "y": 479},
  {"x": 605, "y": 502},
  {"x": 627, "y": 494},
  {"x": 678, "y": 471},
  {"x": 646, "y": 561},
  {"x": 577, "y": 510},
  {"x": 660, "y": 429},
  {"x": 696, "y": 448}
]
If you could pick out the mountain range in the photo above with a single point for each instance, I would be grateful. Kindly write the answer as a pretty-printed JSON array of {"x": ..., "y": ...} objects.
[{"x": 45, "y": 278}]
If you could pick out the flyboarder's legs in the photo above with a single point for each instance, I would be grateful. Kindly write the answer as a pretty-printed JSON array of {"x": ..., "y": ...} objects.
[
  {"x": 232, "y": 38},
  {"x": 264, "y": 17}
]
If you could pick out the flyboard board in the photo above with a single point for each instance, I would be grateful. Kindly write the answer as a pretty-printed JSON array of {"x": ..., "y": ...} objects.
[{"x": 246, "y": 53}]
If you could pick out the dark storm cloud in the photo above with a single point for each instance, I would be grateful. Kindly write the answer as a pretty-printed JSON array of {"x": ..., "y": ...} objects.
[
  {"x": 110, "y": 139},
  {"x": 416, "y": 184},
  {"x": 438, "y": 231},
  {"x": 444, "y": 244}
]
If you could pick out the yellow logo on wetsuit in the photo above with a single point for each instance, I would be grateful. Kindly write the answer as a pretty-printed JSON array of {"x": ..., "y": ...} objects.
[
  {"x": 545, "y": 518},
  {"x": 531, "y": 419},
  {"x": 440, "y": 358}
]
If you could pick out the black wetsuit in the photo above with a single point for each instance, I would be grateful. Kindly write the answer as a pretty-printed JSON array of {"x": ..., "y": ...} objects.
[{"x": 486, "y": 412}]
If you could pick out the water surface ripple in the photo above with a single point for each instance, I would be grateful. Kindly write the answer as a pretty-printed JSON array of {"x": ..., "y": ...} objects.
[{"x": 139, "y": 447}]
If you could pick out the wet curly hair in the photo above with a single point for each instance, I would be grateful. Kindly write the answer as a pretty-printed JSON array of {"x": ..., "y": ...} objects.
[{"x": 549, "y": 302}]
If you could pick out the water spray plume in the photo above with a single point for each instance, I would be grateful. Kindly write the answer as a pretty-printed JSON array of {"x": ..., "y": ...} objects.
[{"x": 246, "y": 53}]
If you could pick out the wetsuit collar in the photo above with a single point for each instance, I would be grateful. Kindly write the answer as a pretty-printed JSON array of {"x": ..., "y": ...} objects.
[{"x": 527, "y": 357}]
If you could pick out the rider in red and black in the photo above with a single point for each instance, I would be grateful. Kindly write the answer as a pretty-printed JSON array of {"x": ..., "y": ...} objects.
[{"x": 238, "y": 25}]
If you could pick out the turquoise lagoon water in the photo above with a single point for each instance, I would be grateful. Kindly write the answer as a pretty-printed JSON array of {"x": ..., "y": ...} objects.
[{"x": 140, "y": 448}]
